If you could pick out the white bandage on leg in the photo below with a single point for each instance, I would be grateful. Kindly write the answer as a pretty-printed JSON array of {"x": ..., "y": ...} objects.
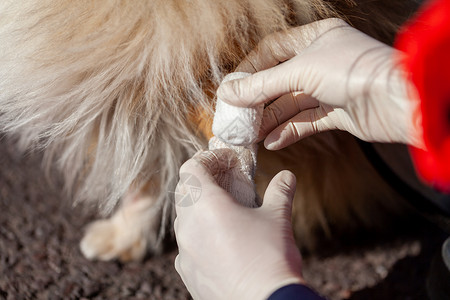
[
  {"x": 234, "y": 125},
  {"x": 237, "y": 128},
  {"x": 238, "y": 181}
]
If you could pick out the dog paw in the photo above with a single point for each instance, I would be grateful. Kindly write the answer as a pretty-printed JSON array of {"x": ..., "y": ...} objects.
[{"x": 126, "y": 236}]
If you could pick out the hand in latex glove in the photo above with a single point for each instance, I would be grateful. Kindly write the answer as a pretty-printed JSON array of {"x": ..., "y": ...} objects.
[
  {"x": 228, "y": 251},
  {"x": 331, "y": 76}
]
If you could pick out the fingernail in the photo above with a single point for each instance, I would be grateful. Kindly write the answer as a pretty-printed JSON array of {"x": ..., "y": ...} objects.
[
  {"x": 270, "y": 143},
  {"x": 288, "y": 177},
  {"x": 225, "y": 90}
]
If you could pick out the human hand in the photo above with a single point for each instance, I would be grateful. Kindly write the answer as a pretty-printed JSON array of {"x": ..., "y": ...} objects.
[
  {"x": 327, "y": 75},
  {"x": 226, "y": 250}
]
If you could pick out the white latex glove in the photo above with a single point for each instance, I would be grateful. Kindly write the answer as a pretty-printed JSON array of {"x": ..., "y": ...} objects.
[
  {"x": 327, "y": 75},
  {"x": 226, "y": 250}
]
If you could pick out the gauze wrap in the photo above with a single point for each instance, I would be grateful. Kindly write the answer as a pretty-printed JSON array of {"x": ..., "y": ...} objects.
[{"x": 237, "y": 128}]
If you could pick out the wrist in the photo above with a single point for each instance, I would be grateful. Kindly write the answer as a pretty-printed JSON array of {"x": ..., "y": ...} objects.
[
  {"x": 415, "y": 127},
  {"x": 403, "y": 97},
  {"x": 282, "y": 271},
  {"x": 385, "y": 90}
]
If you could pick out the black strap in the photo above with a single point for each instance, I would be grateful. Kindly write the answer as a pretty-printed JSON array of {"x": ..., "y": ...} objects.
[{"x": 423, "y": 205}]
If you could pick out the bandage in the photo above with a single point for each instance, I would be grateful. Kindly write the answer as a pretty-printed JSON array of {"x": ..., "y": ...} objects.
[
  {"x": 234, "y": 125},
  {"x": 237, "y": 128}
]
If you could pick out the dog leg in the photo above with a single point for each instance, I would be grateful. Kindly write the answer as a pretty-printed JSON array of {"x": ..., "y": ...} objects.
[{"x": 128, "y": 234}]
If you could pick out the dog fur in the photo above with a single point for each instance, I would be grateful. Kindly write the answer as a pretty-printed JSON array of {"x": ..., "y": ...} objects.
[{"x": 117, "y": 94}]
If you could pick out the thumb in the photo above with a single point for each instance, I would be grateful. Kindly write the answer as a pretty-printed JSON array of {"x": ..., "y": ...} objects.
[
  {"x": 262, "y": 86},
  {"x": 280, "y": 193}
]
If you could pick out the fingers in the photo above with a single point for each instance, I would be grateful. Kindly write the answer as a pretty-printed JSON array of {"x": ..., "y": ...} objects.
[
  {"x": 282, "y": 46},
  {"x": 272, "y": 50},
  {"x": 273, "y": 79},
  {"x": 306, "y": 123},
  {"x": 183, "y": 271},
  {"x": 280, "y": 192},
  {"x": 177, "y": 264},
  {"x": 283, "y": 109}
]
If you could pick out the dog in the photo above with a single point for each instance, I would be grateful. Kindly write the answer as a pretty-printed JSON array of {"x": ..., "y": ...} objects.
[{"x": 118, "y": 94}]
